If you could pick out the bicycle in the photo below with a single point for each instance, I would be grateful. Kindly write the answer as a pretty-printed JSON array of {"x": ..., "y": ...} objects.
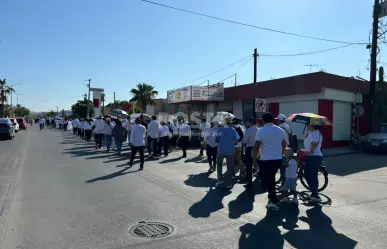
[{"x": 300, "y": 175}]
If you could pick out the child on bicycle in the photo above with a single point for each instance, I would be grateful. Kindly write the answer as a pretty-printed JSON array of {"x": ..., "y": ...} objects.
[{"x": 289, "y": 187}]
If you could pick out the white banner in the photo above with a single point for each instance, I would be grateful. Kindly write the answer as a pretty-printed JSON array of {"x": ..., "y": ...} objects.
[
  {"x": 179, "y": 95},
  {"x": 208, "y": 93},
  {"x": 97, "y": 103}
]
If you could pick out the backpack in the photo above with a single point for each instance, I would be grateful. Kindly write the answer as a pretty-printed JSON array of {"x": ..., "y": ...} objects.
[
  {"x": 240, "y": 132},
  {"x": 293, "y": 142}
]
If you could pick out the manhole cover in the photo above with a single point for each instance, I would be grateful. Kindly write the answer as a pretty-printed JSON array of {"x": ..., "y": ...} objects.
[{"x": 151, "y": 230}]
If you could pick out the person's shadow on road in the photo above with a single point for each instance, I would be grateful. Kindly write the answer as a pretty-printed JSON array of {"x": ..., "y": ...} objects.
[
  {"x": 201, "y": 180},
  {"x": 264, "y": 235},
  {"x": 112, "y": 175},
  {"x": 321, "y": 234},
  {"x": 210, "y": 203},
  {"x": 241, "y": 205}
]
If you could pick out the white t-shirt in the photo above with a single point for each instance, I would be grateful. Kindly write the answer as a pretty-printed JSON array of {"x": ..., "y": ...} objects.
[
  {"x": 286, "y": 127},
  {"x": 137, "y": 135},
  {"x": 42, "y": 121},
  {"x": 271, "y": 138},
  {"x": 154, "y": 129},
  {"x": 313, "y": 136},
  {"x": 239, "y": 144},
  {"x": 99, "y": 126},
  {"x": 164, "y": 130},
  {"x": 185, "y": 130},
  {"x": 203, "y": 127},
  {"x": 87, "y": 126},
  {"x": 291, "y": 171},
  {"x": 210, "y": 137}
]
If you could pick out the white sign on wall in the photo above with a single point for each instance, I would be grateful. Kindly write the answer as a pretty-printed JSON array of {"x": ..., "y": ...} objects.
[
  {"x": 260, "y": 105},
  {"x": 208, "y": 93},
  {"x": 179, "y": 95}
]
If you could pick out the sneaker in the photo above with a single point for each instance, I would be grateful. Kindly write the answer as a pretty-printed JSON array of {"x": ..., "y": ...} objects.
[
  {"x": 272, "y": 206},
  {"x": 219, "y": 184}
]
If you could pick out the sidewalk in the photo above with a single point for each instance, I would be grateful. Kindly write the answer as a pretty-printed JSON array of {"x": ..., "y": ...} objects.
[{"x": 338, "y": 151}]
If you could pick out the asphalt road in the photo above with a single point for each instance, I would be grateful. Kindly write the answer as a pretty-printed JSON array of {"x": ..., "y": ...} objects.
[{"x": 58, "y": 192}]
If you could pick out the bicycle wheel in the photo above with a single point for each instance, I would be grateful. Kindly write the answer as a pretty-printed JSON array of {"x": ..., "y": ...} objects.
[{"x": 322, "y": 179}]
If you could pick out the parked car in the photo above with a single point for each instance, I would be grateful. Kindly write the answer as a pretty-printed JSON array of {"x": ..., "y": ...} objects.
[
  {"x": 376, "y": 141},
  {"x": 15, "y": 123},
  {"x": 7, "y": 129},
  {"x": 22, "y": 123}
]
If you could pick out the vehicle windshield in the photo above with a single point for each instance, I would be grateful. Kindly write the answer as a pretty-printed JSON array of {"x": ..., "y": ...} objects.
[{"x": 383, "y": 129}]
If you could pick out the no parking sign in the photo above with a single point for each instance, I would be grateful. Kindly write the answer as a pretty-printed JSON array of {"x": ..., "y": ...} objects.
[{"x": 260, "y": 105}]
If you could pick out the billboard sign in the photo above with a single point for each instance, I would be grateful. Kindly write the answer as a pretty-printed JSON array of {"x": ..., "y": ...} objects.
[
  {"x": 208, "y": 93},
  {"x": 179, "y": 95}
]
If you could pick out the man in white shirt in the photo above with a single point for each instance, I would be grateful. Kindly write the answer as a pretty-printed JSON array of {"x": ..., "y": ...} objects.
[
  {"x": 153, "y": 133},
  {"x": 239, "y": 166},
  {"x": 99, "y": 132},
  {"x": 184, "y": 137},
  {"x": 41, "y": 123},
  {"x": 74, "y": 123},
  {"x": 288, "y": 132},
  {"x": 249, "y": 141},
  {"x": 137, "y": 140},
  {"x": 271, "y": 140},
  {"x": 204, "y": 125}
]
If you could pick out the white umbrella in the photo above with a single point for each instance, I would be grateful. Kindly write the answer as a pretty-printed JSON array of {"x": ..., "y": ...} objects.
[
  {"x": 120, "y": 112},
  {"x": 220, "y": 116}
]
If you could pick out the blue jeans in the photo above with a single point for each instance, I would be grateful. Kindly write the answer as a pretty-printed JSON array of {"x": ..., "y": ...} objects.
[
  {"x": 230, "y": 167},
  {"x": 312, "y": 167},
  {"x": 108, "y": 141},
  {"x": 118, "y": 145}
]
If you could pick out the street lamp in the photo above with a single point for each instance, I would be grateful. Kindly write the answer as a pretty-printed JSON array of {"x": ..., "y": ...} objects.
[{"x": 12, "y": 92}]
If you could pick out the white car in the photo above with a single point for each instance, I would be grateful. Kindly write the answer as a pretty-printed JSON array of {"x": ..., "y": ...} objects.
[{"x": 15, "y": 124}]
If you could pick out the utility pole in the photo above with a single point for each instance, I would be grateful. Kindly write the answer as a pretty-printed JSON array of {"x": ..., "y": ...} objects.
[
  {"x": 374, "y": 48},
  {"x": 57, "y": 111},
  {"x": 255, "y": 64},
  {"x": 310, "y": 67},
  {"x": 88, "y": 98},
  {"x": 114, "y": 100},
  {"x": 12, "y": 92}
]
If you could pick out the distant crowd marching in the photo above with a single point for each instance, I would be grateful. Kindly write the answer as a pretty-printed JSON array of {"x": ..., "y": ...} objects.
[{"x": 268, "y": 148}]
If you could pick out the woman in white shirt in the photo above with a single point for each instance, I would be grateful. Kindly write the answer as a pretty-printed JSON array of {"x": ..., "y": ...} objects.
[
  {"x": 164, "y": 137},
  {"x": 211, "y": 145},
  {"x": 313, "y": 159}
]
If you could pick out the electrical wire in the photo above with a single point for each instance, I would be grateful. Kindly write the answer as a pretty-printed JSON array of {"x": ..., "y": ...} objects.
[
  {"x": 252, "y": 26},
  {"x": 223, "y": 68},
  {"x": 306, "y": 53}
]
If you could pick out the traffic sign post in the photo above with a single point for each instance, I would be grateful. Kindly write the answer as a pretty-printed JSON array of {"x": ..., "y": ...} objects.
[{"x": 260, "y": 105}]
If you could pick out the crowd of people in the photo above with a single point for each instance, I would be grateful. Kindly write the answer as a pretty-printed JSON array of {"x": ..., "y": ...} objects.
[{"x": 261, "y": 150}]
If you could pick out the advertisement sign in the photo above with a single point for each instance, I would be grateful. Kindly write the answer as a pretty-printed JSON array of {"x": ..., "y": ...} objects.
[
  {"x": 97, "y": 103},
  {"x": 179, "y": 95},
  {"x": 208, "y": 93}
]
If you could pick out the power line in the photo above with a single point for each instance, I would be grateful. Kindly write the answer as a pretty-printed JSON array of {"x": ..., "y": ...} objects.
[
  {"x": 306, "y": 53},
  {"x": 250, "y": 25},
  {"x": 223, "y": 68}
]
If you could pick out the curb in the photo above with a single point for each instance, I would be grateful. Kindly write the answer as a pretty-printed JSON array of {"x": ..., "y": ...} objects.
[{"x": 342, "y": 154}]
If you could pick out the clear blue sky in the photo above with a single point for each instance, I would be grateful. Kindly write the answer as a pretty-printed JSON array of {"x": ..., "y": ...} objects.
[{"x": 52, "y": 47}]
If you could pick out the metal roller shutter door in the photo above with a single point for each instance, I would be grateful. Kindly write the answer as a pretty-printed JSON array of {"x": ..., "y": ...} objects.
[{"x": 342, "y": 115}]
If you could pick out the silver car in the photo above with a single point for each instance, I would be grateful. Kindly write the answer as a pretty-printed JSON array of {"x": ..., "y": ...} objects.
[
  {"x": 376, "y": 141},
  {"x": 7, "y": 128}
]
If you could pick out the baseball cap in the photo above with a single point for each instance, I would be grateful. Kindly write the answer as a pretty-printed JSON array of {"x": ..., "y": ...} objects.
[{"x": 281, "y": 117}]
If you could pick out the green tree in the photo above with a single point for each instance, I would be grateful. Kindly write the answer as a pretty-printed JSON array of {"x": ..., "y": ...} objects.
[
  {"x": 21, "y": 111},
  {"x": 79, "y": 109},
  {"x": 144, "y": 94},
  {"x": 50, "y": 114},
  {"x": 5, "y": 90}
]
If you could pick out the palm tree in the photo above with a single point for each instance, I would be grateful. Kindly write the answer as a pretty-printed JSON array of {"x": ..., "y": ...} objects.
[
  {"x": 4, "y": 91},
  {"x": 143, "y": 95}
]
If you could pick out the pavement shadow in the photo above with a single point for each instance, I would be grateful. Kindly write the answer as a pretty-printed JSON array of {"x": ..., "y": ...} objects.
[
  {"x": 112, "y": 175},
  {"x": 243, "y": 204},
  {"x": 264, "y": 235},
  {"x": 81, "y": 153},
  {"x": 201, "y": 180},
  {"x": 325, "y": 200},
  {"x": 210, "y": 203},
  {"x": 355, "y": 163},
  {"x": 197, "y": 159},
  {"x": 170, "y": 160},
  {"x": 320, "y": 235}
]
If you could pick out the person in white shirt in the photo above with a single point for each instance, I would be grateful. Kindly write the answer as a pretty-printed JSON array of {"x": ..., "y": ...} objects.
[
  {"x": 249, "y": 141},
  {"x": 313, "y": 160},
  {"x": 87, "y": 129},
  {"x": 204, "y": 125},
  {"x": 271, "y": 140},
  {"x": 98, "y": 131},
  {"x": 211, "y": 145},
  {"x": 175, "y": 134},
  {"x": 137, "y": 140},
  {"x": 184, "y": 137},
  {"x": 289, "y": 188},
  {"x": 239, "y": 166},
  {"x": 153, "y": 133},
  {"x": 107, "y": 131},
  {"x": 164, "y": 137},
  {"x": 41, "y": 123},
  {"x": 74, "y": 123},
  {"x": 65, "y": 124},
  {"x": 80, "y": 129},
  {"x": 288, "y": 131}
]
